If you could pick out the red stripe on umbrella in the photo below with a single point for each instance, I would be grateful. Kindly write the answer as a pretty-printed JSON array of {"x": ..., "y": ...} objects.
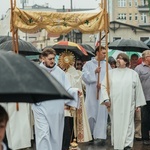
[{"x": 67, "y": 43}]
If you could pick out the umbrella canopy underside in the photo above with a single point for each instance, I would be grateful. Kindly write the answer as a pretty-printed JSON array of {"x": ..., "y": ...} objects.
[
  {"x": 25, "y": 48},
  {"x": 23, "y": 81},
  {"x": 128, "y": 45}
]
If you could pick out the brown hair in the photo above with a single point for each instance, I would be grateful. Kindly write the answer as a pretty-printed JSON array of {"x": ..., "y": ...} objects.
[
  {"x": 97, "y": 48},
  {"x": 124, "y": 57},
  {"x": 3, "y": 115},
  {"x": 48, "y": 51}
]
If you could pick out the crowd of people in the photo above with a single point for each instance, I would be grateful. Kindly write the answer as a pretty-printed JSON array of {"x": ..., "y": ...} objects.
[{"x": 122, "y": 97}]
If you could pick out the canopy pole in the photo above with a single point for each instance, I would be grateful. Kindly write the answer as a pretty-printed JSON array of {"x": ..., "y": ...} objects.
[
  {"x": 100, "y": 39},
  {"x": 106, "y": 30},
  {"x": 14, "y": 35},
  {"x": 12, "y": 26},
  {"x": 98, "y": 77}
]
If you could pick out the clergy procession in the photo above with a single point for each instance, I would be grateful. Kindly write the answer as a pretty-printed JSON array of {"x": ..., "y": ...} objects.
[
  {"x": 97, "y": 118},
  {"x": 73, "y": 96}
]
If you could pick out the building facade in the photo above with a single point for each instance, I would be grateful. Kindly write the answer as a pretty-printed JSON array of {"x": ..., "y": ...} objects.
[{"x": 129, "y": 19}]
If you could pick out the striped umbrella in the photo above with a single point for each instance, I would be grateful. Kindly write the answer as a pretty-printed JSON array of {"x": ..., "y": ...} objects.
[{"x": 71, "y": 46}]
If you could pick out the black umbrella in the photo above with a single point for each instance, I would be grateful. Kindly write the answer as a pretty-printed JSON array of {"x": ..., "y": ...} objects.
[
  {"x": 128, "y": 45},
  {"x": 25, "y": 48},
  {"x": 147, "y": 42},
  {"x": 23, "y": 81},
  {"x": 4, "y": 39}
]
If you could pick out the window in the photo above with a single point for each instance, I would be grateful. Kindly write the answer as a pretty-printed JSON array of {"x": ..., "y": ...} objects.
[
  {"x": 136, "y": 3},
  {"x": 122, "y": 16},
  {"x": 144, "y": 17},
  {"x": 143, "y": 2},
  {"x": 116, "y": 38},
  {"x": 121, "y": 3},
  {"x": 130, "y": 16},
  {"x": 130, "y": 3},
  {"x": 136, "y": 16}
]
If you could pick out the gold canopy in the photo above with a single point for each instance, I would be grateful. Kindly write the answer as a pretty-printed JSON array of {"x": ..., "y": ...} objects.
[
  {"x": 87, "y": 22},
  {"x": 58, "y": 22}
]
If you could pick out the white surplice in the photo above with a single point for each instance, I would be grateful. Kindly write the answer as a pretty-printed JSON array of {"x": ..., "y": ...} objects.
[
  {"x": 49, "y": 115},
  {"x": 125, "y": 94},
  {"x": 3, "y": 146},
  {"x": 18, "y": 129},
  {"x": 97, "y": 114},
  {"x": 83, "y": 129}
]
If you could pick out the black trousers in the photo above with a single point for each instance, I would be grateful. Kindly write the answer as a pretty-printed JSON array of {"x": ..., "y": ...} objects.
[
  {"x": 68, "y": 133},
  {"x": 145, "y": 121}
]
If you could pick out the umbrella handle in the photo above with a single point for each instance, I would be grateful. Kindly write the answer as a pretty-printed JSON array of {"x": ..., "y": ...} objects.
[
  {"x": 17, "y": 106},
  {"x": 97, "y": 94}
]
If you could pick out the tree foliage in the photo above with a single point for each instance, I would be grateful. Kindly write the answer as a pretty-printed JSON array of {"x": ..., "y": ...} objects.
[{"x": 148, "y": 3}]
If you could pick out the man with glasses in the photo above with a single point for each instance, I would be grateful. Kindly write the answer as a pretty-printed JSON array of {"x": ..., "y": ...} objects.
[
  {"x": 79, "y": 64},
  {"x": 144, "y": 73}
]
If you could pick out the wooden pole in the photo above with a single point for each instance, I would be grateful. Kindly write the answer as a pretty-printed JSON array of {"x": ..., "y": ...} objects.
[
  {"x": 100, "y": 35},
  {"x": 12, "y": 26},
  {"x": 106, "y": 30},
  {"x": 98, "y": 77},
  {"x": 14, "y": 35},
  {"x": 106, "y": 41}
]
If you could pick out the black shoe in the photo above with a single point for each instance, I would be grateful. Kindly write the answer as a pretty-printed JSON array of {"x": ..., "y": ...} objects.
[
  {"x": 146, "y": 142},
  {"x": 103, "y": 142},
  {"x": 127, "y": 148},
  {"x": 100, "y": 142},
  {"x": 138, "y": 139},
  {"x": 91, "y": 142}
]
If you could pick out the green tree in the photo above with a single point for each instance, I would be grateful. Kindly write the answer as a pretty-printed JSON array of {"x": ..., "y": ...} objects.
[{"x": 148, "y": 3}]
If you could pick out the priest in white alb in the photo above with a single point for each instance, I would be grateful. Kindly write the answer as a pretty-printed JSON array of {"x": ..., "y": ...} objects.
[
  {"x": 97, "y": 114},
  {"x": 126, "y": 95},
  {"x": 49, "y": 115},
  {"x": 81, "y": 125}
]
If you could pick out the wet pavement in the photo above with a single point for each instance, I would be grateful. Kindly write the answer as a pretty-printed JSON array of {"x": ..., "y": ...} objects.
[{"x": 138, "y": 145}]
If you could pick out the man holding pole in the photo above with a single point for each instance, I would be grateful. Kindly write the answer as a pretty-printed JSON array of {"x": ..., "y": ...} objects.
[{"x": 97, "y": 114}]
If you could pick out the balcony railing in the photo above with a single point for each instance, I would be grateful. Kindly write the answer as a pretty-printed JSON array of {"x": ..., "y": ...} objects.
[
  {"x": 143, "y": 8},
  {"x": 141, "y": 24}
]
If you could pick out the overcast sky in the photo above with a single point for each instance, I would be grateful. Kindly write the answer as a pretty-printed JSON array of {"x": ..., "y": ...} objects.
[{"x": 53, "y": 3}]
